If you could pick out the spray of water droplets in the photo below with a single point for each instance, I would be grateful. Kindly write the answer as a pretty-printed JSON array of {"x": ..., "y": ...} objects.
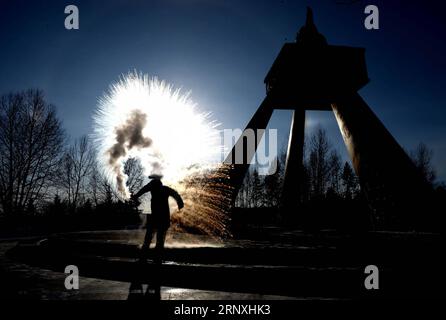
[{"x": 144, "y": 118}]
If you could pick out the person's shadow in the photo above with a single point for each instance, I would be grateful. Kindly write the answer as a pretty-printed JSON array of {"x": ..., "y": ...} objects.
[{"x": 153, "y": 290}]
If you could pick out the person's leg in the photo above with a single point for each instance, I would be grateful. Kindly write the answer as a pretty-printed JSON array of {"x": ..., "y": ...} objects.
[
  {"x": 160, "y": 238},
  {"x": 147, "y": 240},
  {"x": 135, "y": 291},
  {"x": 148, "y": 237}
]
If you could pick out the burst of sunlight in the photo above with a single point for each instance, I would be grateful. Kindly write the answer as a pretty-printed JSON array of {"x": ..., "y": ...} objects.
[{"x": 178, "y": 138}]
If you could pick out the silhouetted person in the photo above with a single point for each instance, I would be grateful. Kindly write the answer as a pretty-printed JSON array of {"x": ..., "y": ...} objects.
[{"x": 160, "y": 217}]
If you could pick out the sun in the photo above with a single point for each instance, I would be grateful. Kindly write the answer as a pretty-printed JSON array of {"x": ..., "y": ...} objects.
[{"x": 148, "y": 119}]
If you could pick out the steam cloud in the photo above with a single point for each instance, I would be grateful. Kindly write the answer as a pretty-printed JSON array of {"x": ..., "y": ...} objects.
[{"x": 128, "y": 136}]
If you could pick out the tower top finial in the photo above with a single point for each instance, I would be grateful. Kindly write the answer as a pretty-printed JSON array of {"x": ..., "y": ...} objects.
[
  {"x": 308, "y": 34},
  {"x": 310, "y": 21}
]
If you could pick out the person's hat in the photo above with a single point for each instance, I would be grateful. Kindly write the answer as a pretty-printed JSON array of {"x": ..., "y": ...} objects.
[{"x": 156, "y": 176}]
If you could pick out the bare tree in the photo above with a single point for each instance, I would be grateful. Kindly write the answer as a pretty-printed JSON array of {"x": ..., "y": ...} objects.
[
  {"x": 77, "y": 165},
  {"x": 422, "y": 158},
  {"x": 335, "y": 172},
  {"x": 94, "y": 184},
  {"x": 31, "y": 144},
  {"x": 244, "y": 197},
  {"x": 273, "y": 184},
  {"x": 135, "y": 174},
  {"x": 101, "y": 190},
  {"x": 349, "y": 181},
  {"x": 257, "y": 189},
  {"x": 318, "y": 163}
]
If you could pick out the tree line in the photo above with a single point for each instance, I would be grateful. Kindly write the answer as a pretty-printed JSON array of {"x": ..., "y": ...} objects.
[
  {"x": 43, "y": 172},
  {"x": 325, "y": 175}
]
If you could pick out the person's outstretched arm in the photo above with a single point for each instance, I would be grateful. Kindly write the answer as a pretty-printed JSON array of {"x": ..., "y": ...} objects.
[
  {"x": 177, "y": 197},
  {"x": 143, "y": 190}
]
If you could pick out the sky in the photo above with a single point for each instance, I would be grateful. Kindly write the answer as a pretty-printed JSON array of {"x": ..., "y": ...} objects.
[{"x": 221, "y": 51}]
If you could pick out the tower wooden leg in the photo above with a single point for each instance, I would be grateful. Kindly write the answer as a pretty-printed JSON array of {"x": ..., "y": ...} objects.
[
  {"x": 392, "y": 185},
  {"x": 258, "y": 121},
  {"x": 293, "y": 180}
]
